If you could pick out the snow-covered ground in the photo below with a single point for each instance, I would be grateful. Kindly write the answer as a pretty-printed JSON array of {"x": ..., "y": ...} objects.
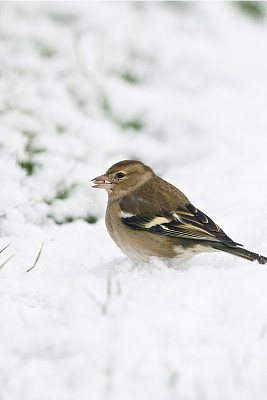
[{"x": 183, "y": 88}]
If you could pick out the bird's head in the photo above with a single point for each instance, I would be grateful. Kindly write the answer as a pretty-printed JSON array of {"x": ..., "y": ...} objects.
[{"x": 123, "y": 177}]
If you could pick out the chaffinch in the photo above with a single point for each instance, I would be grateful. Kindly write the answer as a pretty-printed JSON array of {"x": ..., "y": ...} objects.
[{"x": 147, "y": 216}]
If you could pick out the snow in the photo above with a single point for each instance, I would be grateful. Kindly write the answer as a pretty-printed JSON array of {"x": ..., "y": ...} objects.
[{"x": 181, "y": 87}]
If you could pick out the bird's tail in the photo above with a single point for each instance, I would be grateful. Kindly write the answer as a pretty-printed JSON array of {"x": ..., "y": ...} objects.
[{"x": 237, "y": 251}]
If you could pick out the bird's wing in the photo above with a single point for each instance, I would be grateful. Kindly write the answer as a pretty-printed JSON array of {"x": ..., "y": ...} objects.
[{"x": 185, "y": 223}]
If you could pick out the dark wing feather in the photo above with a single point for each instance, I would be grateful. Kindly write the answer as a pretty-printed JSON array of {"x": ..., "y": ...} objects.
[
  {"x": 210, "y": 225},
  {"x": 184, "y": 223}
]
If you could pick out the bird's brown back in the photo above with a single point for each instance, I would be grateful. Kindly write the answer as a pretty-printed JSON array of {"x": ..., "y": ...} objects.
[{"x": 155, "y": 197}]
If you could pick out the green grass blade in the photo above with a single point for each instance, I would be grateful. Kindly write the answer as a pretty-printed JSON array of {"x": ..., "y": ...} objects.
[
  {"x": 5, "y": 262},
  {"x": 5, "y": 248},
  {"x": 37, "y": 258}
]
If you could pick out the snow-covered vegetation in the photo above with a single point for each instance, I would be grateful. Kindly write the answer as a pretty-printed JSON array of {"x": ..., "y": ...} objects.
[{"x": 182, "y": 87}]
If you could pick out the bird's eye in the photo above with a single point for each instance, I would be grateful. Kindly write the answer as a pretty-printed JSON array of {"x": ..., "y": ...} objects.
[{"x": 120, "y": 175}]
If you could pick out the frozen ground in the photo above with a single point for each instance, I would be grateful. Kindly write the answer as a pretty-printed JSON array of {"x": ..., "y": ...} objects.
[{"x": 182, "y": 87}]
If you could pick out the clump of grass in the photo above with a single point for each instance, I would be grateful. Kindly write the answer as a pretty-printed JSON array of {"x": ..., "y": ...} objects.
[
  {"x": 47, "y": 52},
  {"x": 136, "y": 124},
  {"x": 137, "y": 66},
  {"x": 78, "y": 98},
  {"x": 105, "y": 104},
  {"x": 29, "y": 164},
  {"x": 64, "y": 191},
  {"x": 44, "y": 49},
  {"x": 30, "y": 134},
  {"x": 178, "y": 5},
  {"x": 67, "y": 220},
  {"x": 90, "y": 219},
  {"x": 172, "y": 378},
  {"x": 60, "y": 128},
  {"x": 64, "y": 18},
  {"x": 254, "y": 9},
  {"x": 129, "y": 76},
  {"x": 2, "y": 214}
]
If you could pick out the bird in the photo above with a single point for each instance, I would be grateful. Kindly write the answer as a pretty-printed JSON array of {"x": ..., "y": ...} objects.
[{"x": 147, "y": 216}]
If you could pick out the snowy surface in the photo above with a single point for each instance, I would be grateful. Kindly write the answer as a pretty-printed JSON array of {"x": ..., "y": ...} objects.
[{"x": 183, "y": 88}]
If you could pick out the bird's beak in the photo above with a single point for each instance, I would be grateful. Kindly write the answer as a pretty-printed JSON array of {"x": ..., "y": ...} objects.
[{"x": 102, "y": 182}]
